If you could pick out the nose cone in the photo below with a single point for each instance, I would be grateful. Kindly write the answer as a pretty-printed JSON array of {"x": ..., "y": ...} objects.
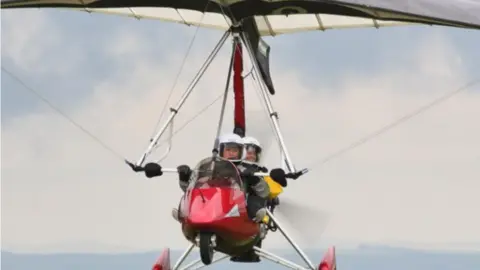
[{"x": 205, "y": 209}]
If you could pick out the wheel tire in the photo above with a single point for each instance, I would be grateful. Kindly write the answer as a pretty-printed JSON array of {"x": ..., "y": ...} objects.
[{"x": 206, "y": 248}]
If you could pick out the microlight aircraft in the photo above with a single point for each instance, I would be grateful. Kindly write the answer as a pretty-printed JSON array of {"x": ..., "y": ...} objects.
[{"x": 247, "y": 21}]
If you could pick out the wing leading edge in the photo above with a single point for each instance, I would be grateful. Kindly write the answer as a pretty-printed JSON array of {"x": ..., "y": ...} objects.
[{"x": 274, "y": 17}]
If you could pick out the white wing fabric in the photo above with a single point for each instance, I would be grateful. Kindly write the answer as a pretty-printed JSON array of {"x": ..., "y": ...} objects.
[{"x": 275, "y": 17}]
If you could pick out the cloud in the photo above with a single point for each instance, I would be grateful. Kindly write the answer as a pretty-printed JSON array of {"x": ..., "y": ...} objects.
[
  {"x": 414, "y": 184},
  {"x": 37, "y": 45}
]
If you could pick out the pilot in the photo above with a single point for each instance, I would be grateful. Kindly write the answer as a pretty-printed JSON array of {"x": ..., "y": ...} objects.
[
  {"x": 256, "y": 186},
  {"x": 230, "y": 147},
  {"x": 252, "y": 155},
  {"x": 252, "y": 152}
]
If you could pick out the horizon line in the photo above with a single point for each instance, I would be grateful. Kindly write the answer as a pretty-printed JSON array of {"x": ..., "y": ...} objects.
[{"x": 474, "y": 248}]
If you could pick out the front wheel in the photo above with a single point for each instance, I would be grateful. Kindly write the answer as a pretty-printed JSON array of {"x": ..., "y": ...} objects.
[{"x": 206, "y": 248}]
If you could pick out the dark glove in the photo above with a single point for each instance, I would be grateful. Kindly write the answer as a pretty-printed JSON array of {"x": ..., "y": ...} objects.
[
  {"x": 248, "y": 175},
  {"x": 252, "y": 180},
  {"x": 278, "y": 175},
  {"x": 184, "y": 172},
  {"x": 256, "y": 167},
  {"x": 153, "y": 169},
  {"x": 262, "y": 169},
  {"x": 248, "y": 171}
]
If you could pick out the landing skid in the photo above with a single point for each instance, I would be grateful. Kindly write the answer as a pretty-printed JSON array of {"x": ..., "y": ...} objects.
[
  {"x": 328, "y": 262},
  {"x": 238, "y": 36}
]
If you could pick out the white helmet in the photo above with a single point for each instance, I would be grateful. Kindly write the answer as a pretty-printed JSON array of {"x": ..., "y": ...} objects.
[
  {"x": 249, "y": 144},
  {"x": 229, "y": 140}
]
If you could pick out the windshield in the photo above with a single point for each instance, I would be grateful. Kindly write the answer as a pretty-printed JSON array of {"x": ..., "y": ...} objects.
[{"x": 215, "y": 172}]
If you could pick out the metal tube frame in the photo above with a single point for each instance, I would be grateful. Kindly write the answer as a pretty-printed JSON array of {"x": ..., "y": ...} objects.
[
  {"x": 272, "y": 114},
  {"x": 261, "y": 252},
  {"x": 277, "y": 259},
  {"x": 193, "y": 265},
  {"x": 202, "y": 266},
  {"x": 290, "y": 240},
  {"x": 225, "y": 95},
  {"x": 274, "y": 118},
  {"x": 174, "y": 111},
  {"x": 169, "y": 147},
  {"x": 183, "y": 257}
]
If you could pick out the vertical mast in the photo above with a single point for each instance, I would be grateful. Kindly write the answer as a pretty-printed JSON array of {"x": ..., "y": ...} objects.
[{"x": 238, "y": 88}]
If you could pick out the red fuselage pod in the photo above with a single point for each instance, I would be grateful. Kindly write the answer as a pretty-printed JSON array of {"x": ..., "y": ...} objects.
[{"x": 215, "y": 203}]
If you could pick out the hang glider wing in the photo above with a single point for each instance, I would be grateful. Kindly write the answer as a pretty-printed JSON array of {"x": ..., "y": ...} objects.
[{"x": 274, "y": 17}]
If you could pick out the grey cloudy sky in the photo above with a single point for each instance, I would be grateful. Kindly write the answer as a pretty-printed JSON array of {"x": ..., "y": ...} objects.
[{"x": 416, "y": 185}]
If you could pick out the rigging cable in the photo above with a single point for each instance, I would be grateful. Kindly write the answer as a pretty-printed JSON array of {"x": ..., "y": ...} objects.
[
  {"x": 190, "y": 120},
  {"x": 197, "y": 115},
  {"x": 394, "y": 124},
  {"x": 181, "y": 67},
  {"x": 57, "y": 110},
  {"x": 386, "y": 128},
  {"x": 323, "y": 161},
  {"x": 382, "y": 130},
  {"x": 84, "y": 130}
]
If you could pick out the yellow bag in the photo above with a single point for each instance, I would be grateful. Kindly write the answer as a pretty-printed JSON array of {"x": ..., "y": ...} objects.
[{"x": 275, "y": 188}]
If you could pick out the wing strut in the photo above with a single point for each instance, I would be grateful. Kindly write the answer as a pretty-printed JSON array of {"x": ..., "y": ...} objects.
[
  {"x": 239, "y": 117},
  {"x": 174, "y": 111},
  {"x": 225, "y": 95},
  {"x": 266, "y": 98}
]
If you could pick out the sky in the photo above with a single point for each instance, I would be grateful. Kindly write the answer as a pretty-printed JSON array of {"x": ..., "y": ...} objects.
[{"x": 414, "y": 186}]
